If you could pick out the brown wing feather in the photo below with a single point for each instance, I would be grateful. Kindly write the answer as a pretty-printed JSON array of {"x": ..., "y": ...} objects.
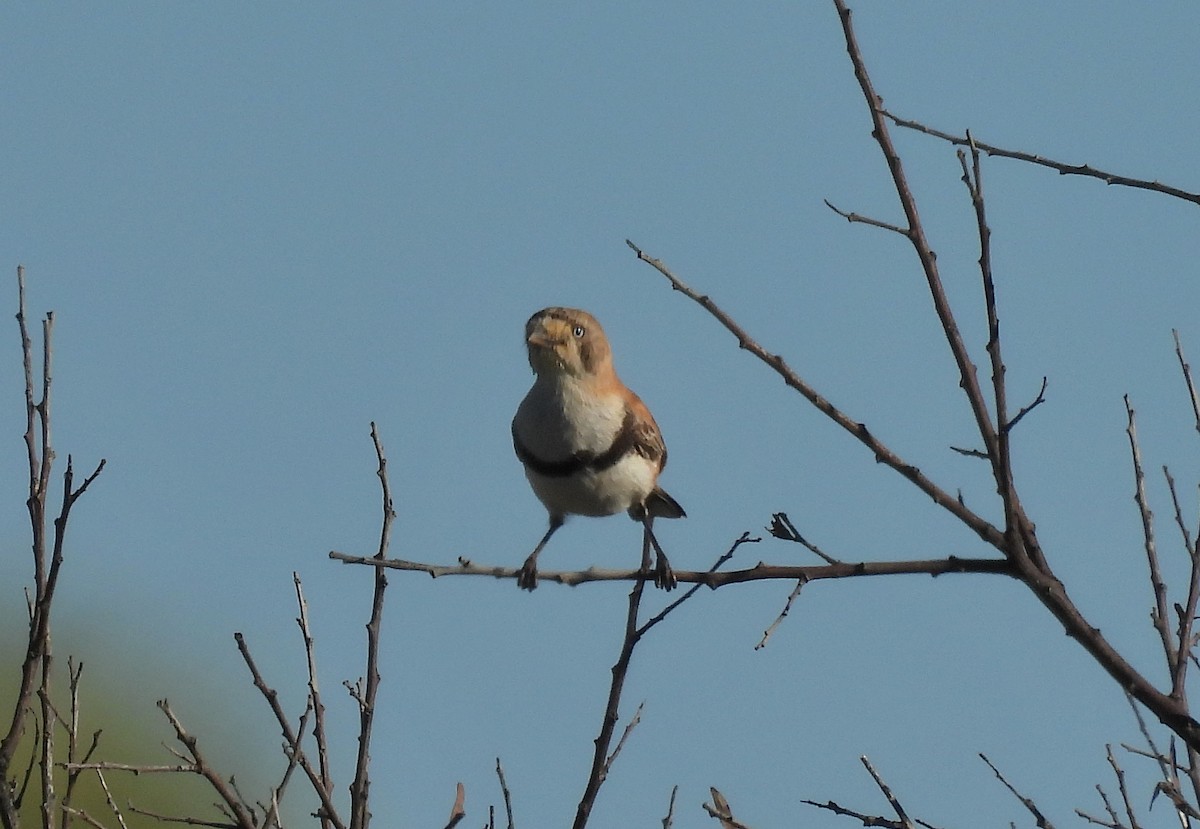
[{"x": 648, "y": 442}]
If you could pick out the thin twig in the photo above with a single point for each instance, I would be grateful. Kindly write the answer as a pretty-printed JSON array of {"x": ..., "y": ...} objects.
[
  {"x": 858, "y": 218},
  {"x": 721, "y": 811},
  {"x": 892, "y": 800},
  {"x": 189, "y": 821},
  {"x": 629, "y": 726},
  {"x": 1158, "y": 613},
  {"x": 1042, "y": 821},
  {"x": 744, "y": 538},
  {"x": 1120, "y": 775},
  {"x": 669, "y": 818},
  {"x": 1024, "y": 410},
  {"x": 506, "y": 794},
  {"x": 599, "y": 769},
  {"x": 865, "y": 819},
  {"x": 458, "y": 810},
  {"x": 290, "y": 737},
  {"x": 314, "y": 693},
  {"x": 787, "y": 608},
  {"x": 968, "y": 376},
  {"x": 1186, "y": 614},
  {"x": 244, "y": 819},
  {"x": 1060, "y": 167},
  {"x": 782, "y": 528},
  {"x": 108, "y": 797},
  {"x": 360, "y": 814},
  {"x": 1187, "y": 378}
]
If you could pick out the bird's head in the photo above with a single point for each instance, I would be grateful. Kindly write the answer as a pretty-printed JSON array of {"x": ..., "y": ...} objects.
[{"x": 567, "y": 341}]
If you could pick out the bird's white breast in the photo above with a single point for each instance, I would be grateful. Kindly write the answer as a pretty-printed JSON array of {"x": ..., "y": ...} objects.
[{"x": 557, "y": 420}]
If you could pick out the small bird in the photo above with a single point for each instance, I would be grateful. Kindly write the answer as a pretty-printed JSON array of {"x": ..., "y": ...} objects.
[{"x": 589, "y": 444}]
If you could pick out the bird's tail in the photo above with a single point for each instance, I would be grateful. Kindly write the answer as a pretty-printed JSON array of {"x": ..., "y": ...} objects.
[{"x": 661, "y": 505}]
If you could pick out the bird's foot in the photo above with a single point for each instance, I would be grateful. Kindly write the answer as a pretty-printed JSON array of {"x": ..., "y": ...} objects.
[
  {"x": 527, "y": 575},
  {"x": 664, "y": 576}
]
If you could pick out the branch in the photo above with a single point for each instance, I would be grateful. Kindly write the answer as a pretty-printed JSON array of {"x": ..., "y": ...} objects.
[
  {"x": 782, "y": 528},
  {"x": 291, "y": 738},
  {"x": 1042, "y": 821},
  {"x": 599, "y": 770},
  {"x": 360, "y": 815},
  {"x": 505, "y": 793},
  {"x": 314, "y": 694},
  {"x": 244, "y": 819},
  {"x": 1187, "y": 378},
  {"x": 722, "y": 812},
  {"x": 985, "y": 530},
  {"x": 457, "y": 811},
  {"x": 858, "y": 218},
  {"x": 787, "y": 608},
  {"x": 905, "y": 821},
  {"x": 968, "y": 378},
  {"x": 1158, "y": 613},
  {"x": 709, "y": 578},
  {"x": 1062, "y": 168}
]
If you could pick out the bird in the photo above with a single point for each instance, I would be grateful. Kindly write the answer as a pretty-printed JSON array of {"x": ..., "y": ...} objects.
[{"x": 589, "y": 445}]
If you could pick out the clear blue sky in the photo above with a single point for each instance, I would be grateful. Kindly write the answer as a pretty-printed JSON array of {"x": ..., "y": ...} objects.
[{"x": 263, "y": 226}]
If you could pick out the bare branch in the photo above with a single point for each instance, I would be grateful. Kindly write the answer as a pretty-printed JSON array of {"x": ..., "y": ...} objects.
[
  {"x": 360, "y": 815},
  {"x": 290, "y": 737},
  {"x": 1159, "y": 612},
  {"x": 1042, "y": 821},
  {"x": 189, "y": 821},
  {"x": 457, "y": 811},
  {"x": 669, "y": 818},
  {"x": 132, "y": 768},
  {"x": 905, "y": 821},
  {"x": 857, "y": 218},
  {"x": 865, "y": 819},
  {"x": 599, "y": 770},
  {"x": 1060, "y": 167},
  {"x": 1186, "y": 614},
  {"x": 782, "y": 528},
  {"x": 505, "y": 793},
  {"x": 108, "y": 798},
  {"x": 721, "y": 811},
  {"x": 1120, "y": 774},
  {"x": 882, "y": 453},
  {"x": 1187, "y": 378},
  {"x": 314, "y": 694},
  {"x": 629, "y": 726},
  {"x": 711, "y": 578},
  {"x": 1037, "y": 401},
  {"x": 744, "y": 538},
  {"x": 244, "y": 819},
  {"x": 968, "y": 377},
  {"x": 787, "y": 607}
]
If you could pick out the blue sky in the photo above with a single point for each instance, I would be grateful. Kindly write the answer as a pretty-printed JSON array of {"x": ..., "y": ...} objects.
[{"x": 263, "y": 226}]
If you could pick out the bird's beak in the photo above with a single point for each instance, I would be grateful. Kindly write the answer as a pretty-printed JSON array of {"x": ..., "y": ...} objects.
[{"x": 539, "y": 337}]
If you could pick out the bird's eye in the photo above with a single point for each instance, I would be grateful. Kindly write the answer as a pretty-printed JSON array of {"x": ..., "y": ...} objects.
[{"x": 578, "y": 331}]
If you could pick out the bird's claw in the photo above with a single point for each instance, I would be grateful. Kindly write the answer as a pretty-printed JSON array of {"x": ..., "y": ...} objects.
[
  {"x": 664, "y": 576},
  {"x": 527, "y": 576}
]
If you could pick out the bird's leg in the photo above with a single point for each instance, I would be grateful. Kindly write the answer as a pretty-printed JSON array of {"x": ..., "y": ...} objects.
[
  {"x": 664, "y": 577},
  {"x": 527, "y": 575},
  {"x": 645, "y": 549}
]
